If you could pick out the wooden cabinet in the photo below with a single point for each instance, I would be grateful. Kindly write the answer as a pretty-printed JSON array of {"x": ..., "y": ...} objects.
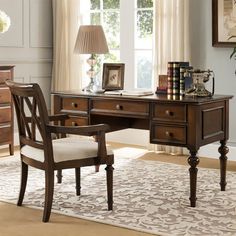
[{"x": 6, "y": 109}]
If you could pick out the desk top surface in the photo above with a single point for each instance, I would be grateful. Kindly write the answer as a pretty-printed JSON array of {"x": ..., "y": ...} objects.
[{"x": 154, "y": 97}]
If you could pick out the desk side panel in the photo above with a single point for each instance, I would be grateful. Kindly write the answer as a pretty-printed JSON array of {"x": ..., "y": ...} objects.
[{"x": 207, "y": 123}]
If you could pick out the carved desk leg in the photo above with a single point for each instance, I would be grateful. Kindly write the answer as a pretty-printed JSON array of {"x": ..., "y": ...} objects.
[
  {"x": 223, "y": 150},
  {"x": 193, "y": 161}
]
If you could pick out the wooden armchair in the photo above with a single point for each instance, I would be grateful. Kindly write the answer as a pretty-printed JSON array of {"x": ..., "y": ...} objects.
[{"x": 50, "y": 154}]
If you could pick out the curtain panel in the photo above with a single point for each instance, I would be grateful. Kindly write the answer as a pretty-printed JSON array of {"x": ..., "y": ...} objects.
[
  {"x": 66, "y": 69},
  {"x": 171, "y": 34}
]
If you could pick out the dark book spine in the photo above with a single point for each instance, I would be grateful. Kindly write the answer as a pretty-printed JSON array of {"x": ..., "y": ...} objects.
[
  {"x": 181, "y": 81},
  {"x": 176, "y": 67},
  {"x": 170, "y": 78}
]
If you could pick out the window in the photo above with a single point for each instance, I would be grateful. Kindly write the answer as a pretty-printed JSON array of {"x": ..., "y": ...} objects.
[{"x": 128, "y": 25}]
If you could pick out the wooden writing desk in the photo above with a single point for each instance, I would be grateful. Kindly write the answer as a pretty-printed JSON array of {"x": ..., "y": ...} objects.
[{"x": 189, "y": 122}]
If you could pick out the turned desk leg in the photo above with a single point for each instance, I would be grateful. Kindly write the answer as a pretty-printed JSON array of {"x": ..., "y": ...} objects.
[
  {"x": 193, "y": 161},
  {"x": 223, "y": 150}
]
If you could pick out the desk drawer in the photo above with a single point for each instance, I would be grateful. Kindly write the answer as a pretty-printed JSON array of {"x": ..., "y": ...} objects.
[
  {"x": 5, "y": 114},
  {"x": 75, "y": 104},
  {"x": 5, "y": 95},
  {"x": 5, "y": 132},
  {"x": 120, "y": 107},
  {"x": 4, "y": 75},
  {"x": 76, "y": 121},
  {"x": 168, "y": 134},
  {"x": 169, "y": 112}
]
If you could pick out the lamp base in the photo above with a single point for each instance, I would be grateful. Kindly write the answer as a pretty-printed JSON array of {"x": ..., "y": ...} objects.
[{"x": 91, "y": 87}]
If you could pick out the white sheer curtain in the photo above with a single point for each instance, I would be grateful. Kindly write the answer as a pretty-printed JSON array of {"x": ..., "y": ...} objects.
[
  {"x": 171, "y": 42},
  {"x": 66, "y": 71}
]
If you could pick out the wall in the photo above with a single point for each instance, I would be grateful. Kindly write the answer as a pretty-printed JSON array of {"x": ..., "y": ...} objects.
[
  {"x": 206, "y": 56},
  {"x": 28, "y": 46},
  {"x": 28, "y": 42}
]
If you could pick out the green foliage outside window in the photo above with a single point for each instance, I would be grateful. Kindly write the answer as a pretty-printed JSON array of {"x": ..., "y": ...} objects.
[
  {"x": 95, "y": 4},
  {"x": 144, "y": 3},
  {"x": 111, "y": 4},
  {"x": 145, "y": 23}
]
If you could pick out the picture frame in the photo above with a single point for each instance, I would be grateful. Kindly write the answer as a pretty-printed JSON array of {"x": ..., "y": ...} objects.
[
  {"x": 223, "y": 24},
  {"x": 113, "y": 76}
]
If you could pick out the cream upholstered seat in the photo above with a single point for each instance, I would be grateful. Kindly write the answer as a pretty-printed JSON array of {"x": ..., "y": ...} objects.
[
  {"x": 65, "y": 149},
  {"x": 39, "y": 150}
]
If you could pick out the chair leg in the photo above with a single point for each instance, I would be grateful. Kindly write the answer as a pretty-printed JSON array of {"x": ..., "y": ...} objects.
[
  {"x": 97, "y": 168},
  {"x": 59, "y": 176},
  {"x": 49, "y": 187},
  {"x": 24, "y": 177},
  {"x": 109, "y": 170},
  {"x": 77, "y": 181}
]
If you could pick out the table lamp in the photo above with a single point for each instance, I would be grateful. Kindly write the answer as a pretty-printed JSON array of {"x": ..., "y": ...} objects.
[{"x": 91, "y": 40}]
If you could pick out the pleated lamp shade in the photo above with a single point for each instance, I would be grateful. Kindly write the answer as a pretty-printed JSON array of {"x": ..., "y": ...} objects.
[{"x": 91, "y": 40}]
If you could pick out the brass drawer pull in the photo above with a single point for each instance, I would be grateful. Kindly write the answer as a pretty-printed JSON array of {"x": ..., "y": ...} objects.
[
  {"x": 74, "y": 105},
  {"x": 73, "y": 123},
  {"x": 169, "y": 113},
  {"x": 119, "y": 107},
  {"x": 169, "y": 134}
]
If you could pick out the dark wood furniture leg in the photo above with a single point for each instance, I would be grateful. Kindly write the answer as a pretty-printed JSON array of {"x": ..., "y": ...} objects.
[
  {"x": 97, "y": 168},
  {"x": 59, "y": 176},
  {"x": 223, "y": 150},
  {"x": 24, "y": 177},
  {"x": 77, "y": 181},
  {"x": 11, "y": 149},
  {"x": 109, "y": 173},
  {"x": 193, "y": 161}
]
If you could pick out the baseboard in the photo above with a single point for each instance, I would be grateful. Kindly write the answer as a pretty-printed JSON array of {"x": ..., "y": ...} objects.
[
  {"x": 211, "y": 151},
  {"x": 141, "y": 137}
]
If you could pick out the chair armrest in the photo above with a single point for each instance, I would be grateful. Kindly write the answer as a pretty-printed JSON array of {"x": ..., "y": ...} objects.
[
  {"x": 79, "y": 130},
  {"x": 58, "y": 117}
]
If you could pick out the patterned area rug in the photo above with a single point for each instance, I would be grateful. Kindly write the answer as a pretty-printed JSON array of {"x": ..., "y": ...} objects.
[{"x": 149, "y": 196}]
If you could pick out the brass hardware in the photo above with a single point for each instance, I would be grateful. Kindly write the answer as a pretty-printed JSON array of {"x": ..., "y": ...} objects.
[
  {"x": 75, "y": 105},
  {"x": 169, "y": 113},
  {"x": 169, "y": 134},
  {"x": 119, "y": 107},
  {"x": 74, "y": 123}
]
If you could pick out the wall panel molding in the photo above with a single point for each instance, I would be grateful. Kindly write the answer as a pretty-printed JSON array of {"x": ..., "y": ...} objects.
[
  {"x": 40, "y": 23},
  {"x": 14, "y": 37},
  {"x": 26, "y": 61},
  {"x": 19, "y": 79}
]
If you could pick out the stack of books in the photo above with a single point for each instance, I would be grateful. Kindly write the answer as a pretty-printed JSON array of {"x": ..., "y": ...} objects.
[{"x": 176, "y": 78}]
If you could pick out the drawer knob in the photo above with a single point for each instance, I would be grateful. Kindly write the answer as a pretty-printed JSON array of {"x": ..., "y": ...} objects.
[
  {"x": 119, "y": 107},
  {"x": 73, "y": 123},
  {"x": 169, "y": 113},
  {"x": 169, "y": 134},
  {"x": 73, "y": 104}
]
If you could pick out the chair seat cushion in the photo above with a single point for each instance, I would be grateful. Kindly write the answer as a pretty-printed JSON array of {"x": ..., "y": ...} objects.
[{"x": 64, "y": 149}]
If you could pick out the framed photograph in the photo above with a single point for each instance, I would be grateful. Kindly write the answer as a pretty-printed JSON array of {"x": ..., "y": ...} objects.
[
  {"x": 223, "y": 23},
  {"x": 113, "y": 76}
]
